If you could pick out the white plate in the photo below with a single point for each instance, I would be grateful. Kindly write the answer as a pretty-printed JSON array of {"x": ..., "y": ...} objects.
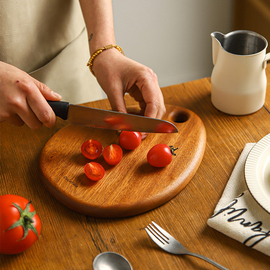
[{"x": 257, "y": 172}]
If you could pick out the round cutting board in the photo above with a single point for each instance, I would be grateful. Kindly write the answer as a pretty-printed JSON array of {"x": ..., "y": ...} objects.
[{"x": 132, "y": 186}]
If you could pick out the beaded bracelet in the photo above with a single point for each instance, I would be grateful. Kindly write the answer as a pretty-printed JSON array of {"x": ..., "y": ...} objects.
[{"x": 97, "y": 52}]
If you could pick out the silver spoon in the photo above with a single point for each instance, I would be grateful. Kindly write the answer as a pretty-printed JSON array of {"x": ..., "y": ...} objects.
[{"x": 111, "y": 261}]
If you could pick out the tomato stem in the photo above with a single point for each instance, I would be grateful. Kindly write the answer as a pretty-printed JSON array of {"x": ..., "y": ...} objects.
[
  {"x": 173, "y": 149},
  {"x": 25, "y": 220},
  {"x": 28, "y": 219}
]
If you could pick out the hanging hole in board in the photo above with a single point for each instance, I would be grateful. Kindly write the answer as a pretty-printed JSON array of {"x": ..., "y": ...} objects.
[{"x": 180, "y": 117}]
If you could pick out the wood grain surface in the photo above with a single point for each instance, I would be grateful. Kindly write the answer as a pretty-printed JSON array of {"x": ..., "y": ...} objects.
[
  {"x": 70, "y": 240},
  {"x": 131, "y": 187}
]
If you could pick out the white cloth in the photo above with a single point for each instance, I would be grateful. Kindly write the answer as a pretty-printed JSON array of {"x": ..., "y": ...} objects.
[{"x": 238, "y": 215}]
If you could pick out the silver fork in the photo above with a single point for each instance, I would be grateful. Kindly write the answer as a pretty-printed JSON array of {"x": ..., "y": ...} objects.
[{"x": 171, "y": 245}]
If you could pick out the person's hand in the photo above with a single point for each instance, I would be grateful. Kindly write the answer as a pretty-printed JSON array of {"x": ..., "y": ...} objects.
[
  {"x": 23, "y": 99},
  {"x": 118, "y": 75}
]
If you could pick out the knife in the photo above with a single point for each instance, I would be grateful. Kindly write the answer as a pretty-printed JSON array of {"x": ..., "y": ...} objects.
[{"x": 105, "y": 119}]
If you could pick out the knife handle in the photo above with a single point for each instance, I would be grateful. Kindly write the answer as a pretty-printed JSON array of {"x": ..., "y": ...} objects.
[{"x": 60, "y": 108}]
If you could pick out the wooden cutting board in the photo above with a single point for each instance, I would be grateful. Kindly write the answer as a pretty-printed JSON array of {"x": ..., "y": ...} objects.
[{"x": 131, "y": 187}]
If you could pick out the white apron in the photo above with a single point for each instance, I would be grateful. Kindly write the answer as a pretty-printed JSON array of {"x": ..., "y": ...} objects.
[{"x": 48, "y": 40}]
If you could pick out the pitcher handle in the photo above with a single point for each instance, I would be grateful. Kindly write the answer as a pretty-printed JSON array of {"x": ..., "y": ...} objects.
[{"x": 267, "y": 58}]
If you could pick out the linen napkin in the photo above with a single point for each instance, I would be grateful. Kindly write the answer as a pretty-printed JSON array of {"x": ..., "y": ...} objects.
[{"x": 237, "y": 213}]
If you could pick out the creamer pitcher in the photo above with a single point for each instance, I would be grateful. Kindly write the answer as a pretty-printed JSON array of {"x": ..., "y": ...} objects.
[{"x": 238, "y": 80}]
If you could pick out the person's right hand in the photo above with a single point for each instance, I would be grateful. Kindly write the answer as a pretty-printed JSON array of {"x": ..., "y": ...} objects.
[{"x": 23, "y": 99}]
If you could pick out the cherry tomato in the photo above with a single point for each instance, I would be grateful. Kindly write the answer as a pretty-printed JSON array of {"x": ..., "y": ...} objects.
[
  {"x": 113, "y": 154},
  {"x": 94, "y": 171},
  {"x": 20, "y": 226},
  {"x": 160, "y": 155},
  {"x": 130, "y": 140},
  {"x": 91, "y": 149}
]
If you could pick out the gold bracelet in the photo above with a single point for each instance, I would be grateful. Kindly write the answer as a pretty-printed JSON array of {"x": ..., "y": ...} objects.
[{"x": 97, "y": 52}]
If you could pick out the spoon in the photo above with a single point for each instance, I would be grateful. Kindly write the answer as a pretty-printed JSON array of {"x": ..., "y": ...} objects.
[{"x": 111, "y": 261}]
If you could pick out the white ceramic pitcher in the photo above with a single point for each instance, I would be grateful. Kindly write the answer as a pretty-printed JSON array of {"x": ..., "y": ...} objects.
[{"x": 238, "y": 80}]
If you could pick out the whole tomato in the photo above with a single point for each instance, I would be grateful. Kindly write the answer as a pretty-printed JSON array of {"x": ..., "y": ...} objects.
[
  {"x": 19, "y": 224},
  {"x": 160, "y": 155},
  {"x": 130, "y": 140}
]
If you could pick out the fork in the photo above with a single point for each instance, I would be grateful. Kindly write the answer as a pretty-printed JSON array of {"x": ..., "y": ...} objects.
[{"x": 165, "y": 241}]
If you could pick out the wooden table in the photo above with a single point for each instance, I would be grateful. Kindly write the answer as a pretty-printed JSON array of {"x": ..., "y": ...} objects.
[{"x": 70, "y": 240}]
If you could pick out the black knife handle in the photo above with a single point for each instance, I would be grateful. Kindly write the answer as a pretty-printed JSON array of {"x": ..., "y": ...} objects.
[{"x": 60, "y": 108}]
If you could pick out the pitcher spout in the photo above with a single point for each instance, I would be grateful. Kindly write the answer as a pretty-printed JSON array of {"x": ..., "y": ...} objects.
[{"x": 217, "y": 41}]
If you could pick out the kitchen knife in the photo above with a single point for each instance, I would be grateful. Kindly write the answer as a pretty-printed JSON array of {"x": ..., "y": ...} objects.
[{"x": 97, "y": 118}]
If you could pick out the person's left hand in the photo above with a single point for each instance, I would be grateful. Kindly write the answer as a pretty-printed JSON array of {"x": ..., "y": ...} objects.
[{"x": 118, "y": 75}]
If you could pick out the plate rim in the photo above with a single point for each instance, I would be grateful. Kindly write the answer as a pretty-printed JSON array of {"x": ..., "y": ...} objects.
[{"x": 251, "y": 171}]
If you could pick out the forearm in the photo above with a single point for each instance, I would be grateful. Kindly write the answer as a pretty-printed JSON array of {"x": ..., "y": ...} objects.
[
  {"x": 98, "y": 18},
  {"x": 116, "y": 73}
]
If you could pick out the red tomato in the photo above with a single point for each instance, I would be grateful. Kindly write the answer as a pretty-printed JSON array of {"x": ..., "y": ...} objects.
[
  {"x": 160, "y": 155},
  {"x": 19, "y": 224},
  {"x": 113, "y": 154},
  {"x": 130, "y": 140},
  {"x": 91, "y": 149},
  {"x": 94, "y": 171}
]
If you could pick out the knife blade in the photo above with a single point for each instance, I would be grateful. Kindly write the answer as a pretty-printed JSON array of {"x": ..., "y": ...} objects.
[{"x": 105, "y": 119}]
